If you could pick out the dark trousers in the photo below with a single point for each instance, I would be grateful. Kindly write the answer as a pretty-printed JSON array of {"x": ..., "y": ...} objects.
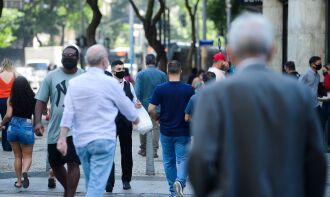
[
  {"x": 322, "y": 120},
  {"x": 3, "y": 108},
  {"x": 124, "y": 131}
]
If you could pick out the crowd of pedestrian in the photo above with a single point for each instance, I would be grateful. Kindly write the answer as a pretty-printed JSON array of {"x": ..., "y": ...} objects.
[{"x": 255, "y": 132}]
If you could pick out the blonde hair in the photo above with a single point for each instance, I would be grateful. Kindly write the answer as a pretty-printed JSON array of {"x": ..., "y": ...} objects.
[{"x": 7, "y": 65}]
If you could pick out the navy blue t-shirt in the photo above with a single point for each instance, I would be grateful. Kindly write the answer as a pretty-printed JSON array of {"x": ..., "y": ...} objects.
[{"x": 173, "y": 97}]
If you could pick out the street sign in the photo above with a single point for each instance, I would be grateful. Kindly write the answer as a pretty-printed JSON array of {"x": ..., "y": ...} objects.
[
  {"x": 251, "y": 2},
  {"x": 205, "y": 42}
]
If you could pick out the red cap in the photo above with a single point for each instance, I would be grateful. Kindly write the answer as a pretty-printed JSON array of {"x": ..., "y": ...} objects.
[{"x": 218, "y": 57}]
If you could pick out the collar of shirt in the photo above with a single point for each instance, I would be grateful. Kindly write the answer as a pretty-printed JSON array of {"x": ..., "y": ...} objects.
[
  {"x": 312, "y": 71},
  {"x": 249, "y": 62},
  {"x": 151, "y": 66},
  {"x": 95, "y": 70}
]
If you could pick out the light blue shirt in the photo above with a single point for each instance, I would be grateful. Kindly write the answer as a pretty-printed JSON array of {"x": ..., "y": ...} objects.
[
  {"x": 146, "y": 82},
  {"x": 312, "y": 79},
  {"x": 91, "y": 106}
]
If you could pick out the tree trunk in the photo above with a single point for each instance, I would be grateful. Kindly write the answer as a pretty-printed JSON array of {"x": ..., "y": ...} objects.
[
  {"x": 192, "y": 14},
  {"x": 1, "y": 7},
  {"x": 190, "y": 63},
  {"x": 40, "y": 43},
  {"x": 150, "y": 29},
  {"x": 62, "y": 34},
  {"x": 91, "y": 29}
]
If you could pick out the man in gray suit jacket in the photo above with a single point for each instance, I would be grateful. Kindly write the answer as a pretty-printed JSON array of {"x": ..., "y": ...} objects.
[{"x": 256, "y": 133}]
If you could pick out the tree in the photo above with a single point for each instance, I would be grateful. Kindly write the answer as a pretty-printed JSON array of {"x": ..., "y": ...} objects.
[
  {"x": 192, "y": 14},
  {"x": 8, "y": 24},
  {"x": 216, "y": 11},
  {"x": 1, "y": 7},
  {"x": 150, "y": 30},
  {"x": 91, "y": 29}
]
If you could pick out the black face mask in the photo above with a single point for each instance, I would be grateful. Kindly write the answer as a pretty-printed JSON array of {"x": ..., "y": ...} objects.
[
  {"x": 69, "y": 63},
  {"x": 318, "y": 66},
  {"x": 120, "y": 74}
]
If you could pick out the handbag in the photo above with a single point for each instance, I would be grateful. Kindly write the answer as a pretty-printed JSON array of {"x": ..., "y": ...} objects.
[{"x": 145, "y": 123}]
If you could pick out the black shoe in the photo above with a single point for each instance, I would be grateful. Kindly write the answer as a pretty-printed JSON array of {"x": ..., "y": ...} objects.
[
  {"x": 142, "y": 153},
  {"x": 126, "y": 185},
  {"x": 109, "y": 188},
  {"x": 155, "y": 155},
  {"x": 51, "y": 183},
  {"x": 25, "y": 181}
]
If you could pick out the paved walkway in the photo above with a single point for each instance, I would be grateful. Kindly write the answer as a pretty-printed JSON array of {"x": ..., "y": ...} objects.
[{"x": 142, "y": 185}]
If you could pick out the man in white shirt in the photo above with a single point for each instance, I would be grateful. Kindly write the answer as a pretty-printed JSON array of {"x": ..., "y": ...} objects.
[
  {"x": 124, "y": 130},
  {"x": 219, "y": 67},
  {"x": 91, "y": 105}
]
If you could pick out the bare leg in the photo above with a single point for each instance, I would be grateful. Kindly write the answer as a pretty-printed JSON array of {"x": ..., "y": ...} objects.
[
  {"x": 27, "y": 157},
  {"x": 61, "y": 175},
  {"x": 18, "y": 161},
  {"x": 72, "y": 179}
]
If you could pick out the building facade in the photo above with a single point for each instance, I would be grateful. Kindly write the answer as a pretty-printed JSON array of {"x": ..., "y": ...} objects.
[{"x": 301, "y": 31}]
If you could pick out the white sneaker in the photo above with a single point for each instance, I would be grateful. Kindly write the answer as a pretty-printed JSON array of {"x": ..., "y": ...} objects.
[{"x": 178, "y": 189}]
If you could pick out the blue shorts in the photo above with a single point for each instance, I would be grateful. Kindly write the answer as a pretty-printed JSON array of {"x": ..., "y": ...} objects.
[{"x": 20, "y": 130}]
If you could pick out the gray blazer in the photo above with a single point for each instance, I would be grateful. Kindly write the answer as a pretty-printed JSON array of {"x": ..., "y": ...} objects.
[{"x": 257, "y": 134}]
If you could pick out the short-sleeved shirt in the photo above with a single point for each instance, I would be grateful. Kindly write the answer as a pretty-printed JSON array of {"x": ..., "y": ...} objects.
[
  {"x": 190, "y": 106},
  {"x": 173, "y": 98},
  {"x": 54, "y": 87}
]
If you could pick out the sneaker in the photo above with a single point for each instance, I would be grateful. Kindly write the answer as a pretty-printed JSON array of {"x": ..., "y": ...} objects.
[
  {"x": 178, "y": 189},
  {"x": 142, "y": 153},
  {"x": 155, "y": 155},
  {"x": 51, "y": 183},
  {"x": 126, "y": 185}
]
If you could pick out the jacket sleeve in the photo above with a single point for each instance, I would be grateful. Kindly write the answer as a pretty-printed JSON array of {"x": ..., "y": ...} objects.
[
  {"x": 315, "y": 155},
  {"x": 203, "y": 163}
]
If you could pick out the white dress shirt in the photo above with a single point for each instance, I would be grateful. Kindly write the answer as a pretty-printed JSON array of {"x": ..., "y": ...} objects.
[
  {"x": 121, "y": 83},
  {"x": 219, "y": 74},
  {"x": 91, "y": 106}
]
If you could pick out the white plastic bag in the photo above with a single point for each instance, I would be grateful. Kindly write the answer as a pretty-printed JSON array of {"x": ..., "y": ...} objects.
[{"x": 145, "y": 123}]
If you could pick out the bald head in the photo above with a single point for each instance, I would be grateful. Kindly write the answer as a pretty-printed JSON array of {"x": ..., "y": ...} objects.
[{"x": 97, "y": 55}]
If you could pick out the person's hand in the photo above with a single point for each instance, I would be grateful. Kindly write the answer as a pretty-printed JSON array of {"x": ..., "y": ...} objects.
[
  {"x": 45, "y": 112},
  {"x": 62, "y": 146},
  {"x": 39, "y": 129},
  {"x": 3, "y": 128},
  {"x": 138, "y": 104},
  {"x": 136, "y": 121}
]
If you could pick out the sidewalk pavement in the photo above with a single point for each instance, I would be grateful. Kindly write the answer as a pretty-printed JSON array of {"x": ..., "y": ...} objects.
[{"x": 141, "y": 187}]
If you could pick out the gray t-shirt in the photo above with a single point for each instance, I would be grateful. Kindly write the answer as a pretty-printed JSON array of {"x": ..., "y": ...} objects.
[{"x": 54, "y": 87}]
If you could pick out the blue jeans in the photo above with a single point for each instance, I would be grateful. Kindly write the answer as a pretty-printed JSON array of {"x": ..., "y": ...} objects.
[
  {"x": 175, "y": 153},
  {"x": 20, "y": 130},
  {"x": 96, "y": 159}
]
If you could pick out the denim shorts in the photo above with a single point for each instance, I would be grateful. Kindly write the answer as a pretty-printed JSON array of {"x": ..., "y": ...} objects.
[{"x": 20, "y": 130}]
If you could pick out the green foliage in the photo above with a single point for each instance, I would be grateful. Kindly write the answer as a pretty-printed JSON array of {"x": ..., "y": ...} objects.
[
  {"x": 8, "y": 24},
  {"x": 216, "y": 12}
]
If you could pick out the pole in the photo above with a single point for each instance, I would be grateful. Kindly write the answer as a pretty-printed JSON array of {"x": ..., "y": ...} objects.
[
  {"x": 131, "y": 36},
  {"x": 82, "y": 28},
  {"x": 228, "y": 9},
  {"x": 204, "y": 18}
]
